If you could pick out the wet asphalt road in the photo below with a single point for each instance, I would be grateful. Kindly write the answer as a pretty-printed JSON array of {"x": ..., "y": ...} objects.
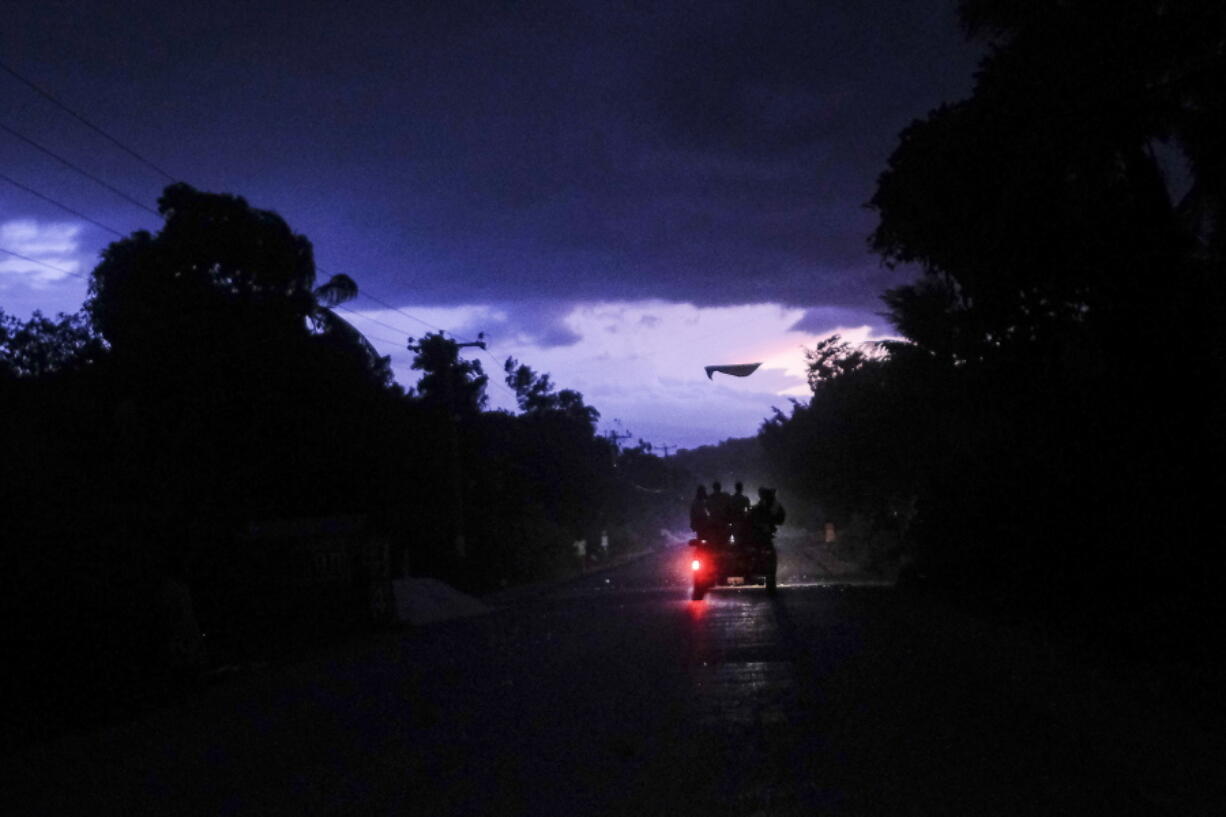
[{"x": 615, "y": 694}]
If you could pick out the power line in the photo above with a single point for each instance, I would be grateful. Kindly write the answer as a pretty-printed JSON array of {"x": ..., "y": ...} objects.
[
  {"x": 493, "y": 359},
  {"x": 363, "y": 293},
  {"x": 494, "y": 379},
  {"x": 498, "y": 368},
  {"x": 112, "y": 230},
  {"x": 47, "y": 95},
  {"x": 491, "y": 378},
  {"x": 139, "y": 204},
  {"x": 147, "y": 162},
  {"x": 364, "y": 334},
  {"x": 371, "y": 339},
  {"x": 79, "y": 275},
  {"x": 411, "y": 317},
  {"x": 397, "y": 344},
  {"x": 165, "y": 174},
  {"x": 132, "y": 200},
  {"x": 115, "y": 232},
  {"x": 43, "y": 264},
  {"x": 368, "y": 318},
  {"x": 382, "y": 302},
  {"x": 72, "y": 166},
  {"x": 388, "y": 341},
  {"x": 60, "y": 205}
]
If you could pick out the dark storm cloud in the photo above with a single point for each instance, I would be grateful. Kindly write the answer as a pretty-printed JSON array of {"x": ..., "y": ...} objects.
[{"x": 713, "y": 153}]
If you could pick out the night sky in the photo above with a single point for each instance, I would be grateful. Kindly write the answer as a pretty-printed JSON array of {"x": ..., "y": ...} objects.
[{"x": 617, "y": 193}]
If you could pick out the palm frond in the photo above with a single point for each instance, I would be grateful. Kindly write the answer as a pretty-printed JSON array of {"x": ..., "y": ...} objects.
[
  {"x": 329, "y": 323},
  {"x": 337, "y": 290}
]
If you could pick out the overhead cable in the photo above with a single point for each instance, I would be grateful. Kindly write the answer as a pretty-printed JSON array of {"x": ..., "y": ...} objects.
[
  {"x": 78, "y": 169},
  {"x": 9, "y": 70},
  {"x": 43, "y": 263},
  {"x": 60, "y": 205},
  {"x": 382, "y": 302},
  {"x": 47, "y": 95},
  {"x": 368, "y": 318}
]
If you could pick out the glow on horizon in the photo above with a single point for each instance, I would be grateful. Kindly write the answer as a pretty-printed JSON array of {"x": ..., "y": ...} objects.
[{"x": 639, "y": 362}]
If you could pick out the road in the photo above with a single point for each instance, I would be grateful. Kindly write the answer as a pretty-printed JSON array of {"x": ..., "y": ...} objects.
[{"x": 615, "y": 694}]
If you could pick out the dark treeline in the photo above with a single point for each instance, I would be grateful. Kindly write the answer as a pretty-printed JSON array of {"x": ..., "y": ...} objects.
[
  {"x": 208, "y": 392},
  {"x": 1048, "y": 438}
]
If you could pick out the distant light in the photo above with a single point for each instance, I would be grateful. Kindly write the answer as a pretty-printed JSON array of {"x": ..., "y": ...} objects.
[{"x": 695, "y": 564}]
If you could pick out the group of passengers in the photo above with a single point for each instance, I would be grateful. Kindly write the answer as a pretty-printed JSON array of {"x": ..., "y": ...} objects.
[{"x": 723, "y": 519}]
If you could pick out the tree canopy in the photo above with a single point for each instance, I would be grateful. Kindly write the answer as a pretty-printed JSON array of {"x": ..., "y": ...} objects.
[
  {"x": 1087, "y": 160},
  {"x": 221, "y": 280},
  {"x": 1059, "y": 387},
  {"x": 448, "y": 381},
  {"x": 535, "y": 394},
  {"x": 42, "y": 346}
]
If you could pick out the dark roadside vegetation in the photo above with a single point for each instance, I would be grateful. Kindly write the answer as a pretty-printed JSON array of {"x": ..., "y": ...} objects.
[
  {"x": 209, "y": 448},
  {"x": 1043, "y": 445}
]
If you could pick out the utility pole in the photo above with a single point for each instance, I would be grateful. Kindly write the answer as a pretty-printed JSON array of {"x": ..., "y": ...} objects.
[
  {"x": 456, "y": 468},
  {"x": 616, "y": 439},
  {"x": 666, "y": 448}
]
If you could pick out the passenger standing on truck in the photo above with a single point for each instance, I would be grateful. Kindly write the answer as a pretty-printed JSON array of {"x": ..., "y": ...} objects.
[
  {"x": 765, "y": 518},
  {"x": 719, "y": 509},
  {"x": 738, "y": 503},
  {"x": 700, "y": 521}
]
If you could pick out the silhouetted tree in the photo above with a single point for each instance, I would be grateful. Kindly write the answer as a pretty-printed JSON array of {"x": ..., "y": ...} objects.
[
  {"x": 831, "y": 358},
  {"x": 536, "y": 395},
  {"x": 43, "y": 346},
  {"x": 220, "y": 279},
  {"x": 567, "y": 458},
  {"x": 859, "y": 448},
  {"x": 1072, "y": 202},
  {"x": 448, "y": 381},
  {"x": 238, "y": 389},
  {"x": 1053, "y": 195}
]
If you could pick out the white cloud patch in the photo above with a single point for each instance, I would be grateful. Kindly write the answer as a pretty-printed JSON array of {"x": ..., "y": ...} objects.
[{"x": 55, "y": 244}]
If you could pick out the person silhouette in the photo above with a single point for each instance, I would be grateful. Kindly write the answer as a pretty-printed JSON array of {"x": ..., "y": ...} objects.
[
  {"x": 700, "y": 521},
  {"x": 719, "y": 510},
  {"x": 764, "y": 519},
  {"x": 738, "y": 505}
]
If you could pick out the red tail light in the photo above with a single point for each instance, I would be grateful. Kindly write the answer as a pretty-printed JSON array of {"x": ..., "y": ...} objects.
[{"x": 695, "y": 565}]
